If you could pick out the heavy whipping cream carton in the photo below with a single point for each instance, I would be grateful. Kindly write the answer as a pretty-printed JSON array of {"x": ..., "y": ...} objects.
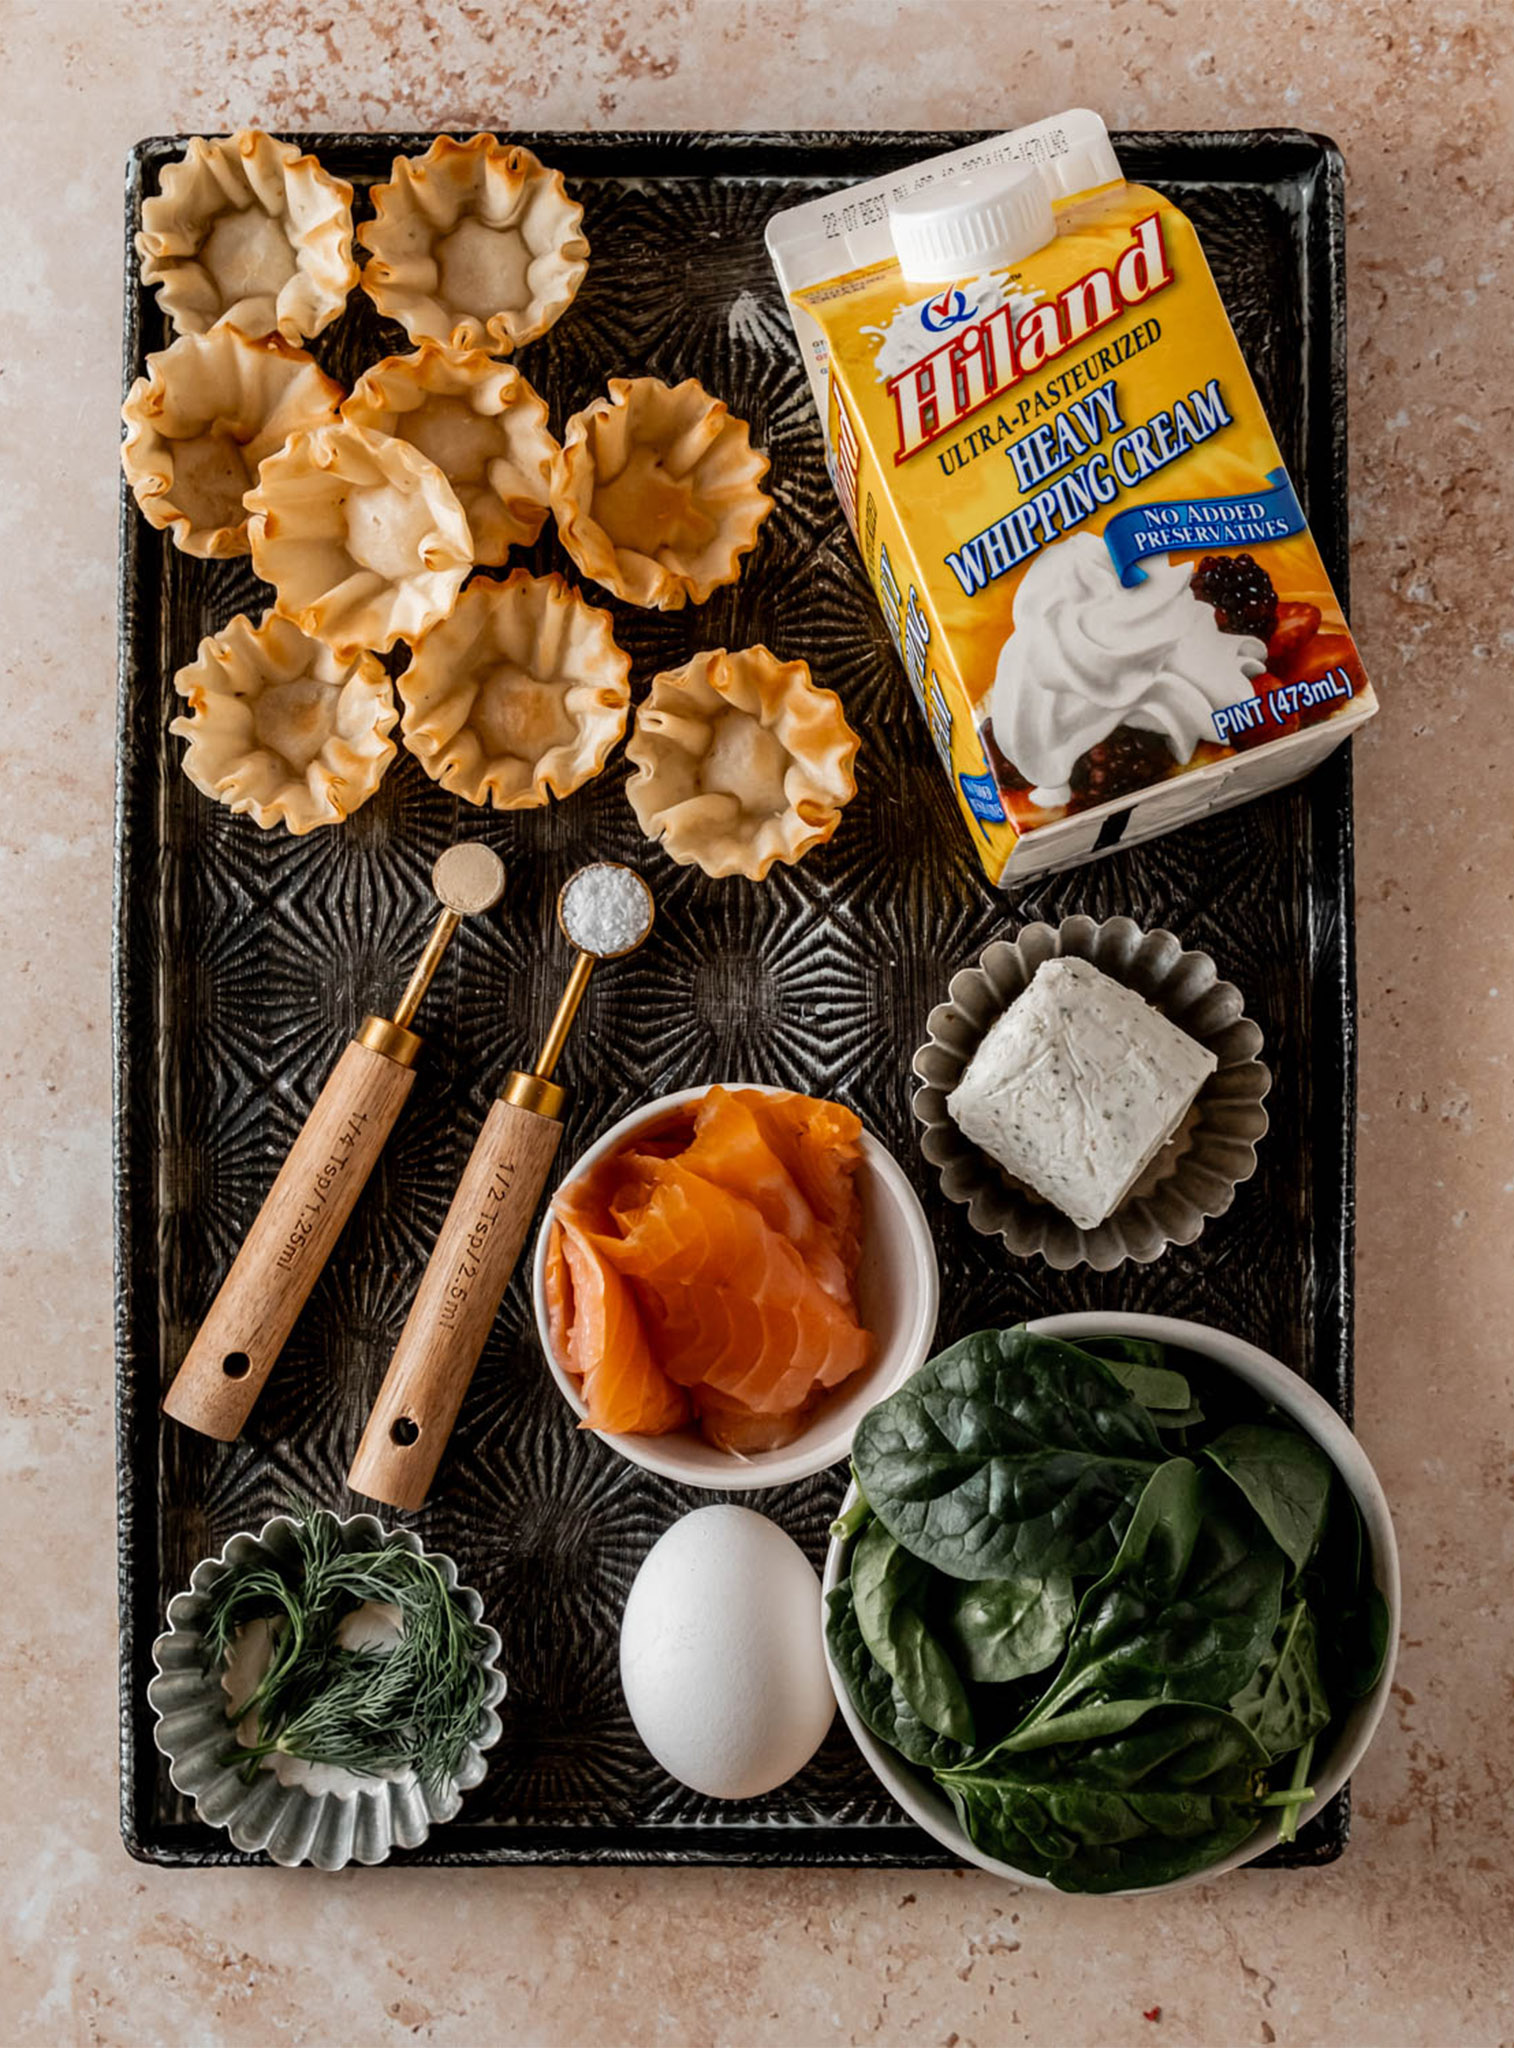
[{"x": 1072, "y": 509}]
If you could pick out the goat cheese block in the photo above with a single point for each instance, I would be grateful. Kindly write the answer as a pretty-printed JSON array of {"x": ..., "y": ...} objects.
[{"x": 1077, "y": 1087}]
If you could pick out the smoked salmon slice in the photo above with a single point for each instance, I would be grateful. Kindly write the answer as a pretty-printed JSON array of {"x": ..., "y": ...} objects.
[
  {"x": 598, "y": 1334},
  {"x": 737, "y": 1307},
  {"x": 820, "y": 1143},
  {"x": 735, "y": 1149},
  {"x": 708, "y": 1271},
  {"x": 730, "y": 1427}
]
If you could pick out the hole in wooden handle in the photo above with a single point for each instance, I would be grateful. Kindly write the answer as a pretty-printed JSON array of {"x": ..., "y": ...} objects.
[
  {"x": 236, "y": 1365},
  {"x": 403, "y": 1431}
]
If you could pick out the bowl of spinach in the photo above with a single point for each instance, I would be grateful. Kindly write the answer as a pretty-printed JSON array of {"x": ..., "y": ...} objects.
[{"x": 1112, "y": 1602}]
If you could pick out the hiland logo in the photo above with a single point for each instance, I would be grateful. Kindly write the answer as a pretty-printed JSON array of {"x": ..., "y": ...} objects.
[{"x": 984, "y": 356}]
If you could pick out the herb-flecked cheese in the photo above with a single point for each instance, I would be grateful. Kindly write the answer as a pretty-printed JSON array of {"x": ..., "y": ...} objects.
[{"x": 1077, "y": 1087}]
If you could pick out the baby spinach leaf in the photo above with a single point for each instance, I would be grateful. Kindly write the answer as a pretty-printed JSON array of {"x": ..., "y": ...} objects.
[
  {"x": 1285, "y": 1705},
  {"x": 888, "y": 1593},
  {"x": 1138, "y": 1351},
  {"x": 1175, "y": 1420},
  {"x": 1366, "y": 1647},
  {"x": 877, "y": 1699},
  {"x": 1285, "y": 1477},
  {"x": 1008, "y": 1454},
  {"x": 1085, "y": 1841},
  {"x": 1131, "y": 1743},
  {"x": 1186, "y": 1610},
  {"x": 1088, "y": 1721},
  {"x": 1136, "y": 1363},
  {"x": 1354, "y": 1647},
  {"x": 1170, "y": 1793},
  {"x": 1002, "y": 1629}
]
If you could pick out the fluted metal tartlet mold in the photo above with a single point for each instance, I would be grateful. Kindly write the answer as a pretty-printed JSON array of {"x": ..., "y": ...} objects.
[
  {"x": 290, "y": 1823},
  {"x": 1192, "y": 1180}
]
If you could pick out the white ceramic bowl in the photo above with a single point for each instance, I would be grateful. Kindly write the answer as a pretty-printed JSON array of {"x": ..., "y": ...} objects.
[
  {"x": 898, "y": 1292},
  {"x": 932, "y": 1810}
]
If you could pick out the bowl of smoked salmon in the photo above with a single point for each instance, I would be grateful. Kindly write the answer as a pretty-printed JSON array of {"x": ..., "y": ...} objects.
[{"x": 729, "y": 1279}]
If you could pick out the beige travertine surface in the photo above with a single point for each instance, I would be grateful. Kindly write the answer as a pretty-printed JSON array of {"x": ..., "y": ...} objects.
[{"x": 1405, "y": 1943}]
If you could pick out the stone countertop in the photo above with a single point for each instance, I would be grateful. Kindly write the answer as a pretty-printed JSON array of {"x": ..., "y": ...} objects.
[{"x": 1403, "y": 1943}]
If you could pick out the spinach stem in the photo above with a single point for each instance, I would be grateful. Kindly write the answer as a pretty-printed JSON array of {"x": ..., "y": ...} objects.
[
  {"x": 851, "y": 1520},
  {"x": 1288, "y": 1826}
]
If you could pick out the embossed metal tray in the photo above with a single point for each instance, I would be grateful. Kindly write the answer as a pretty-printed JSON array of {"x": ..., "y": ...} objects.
[{"x": 244, "y": 960}]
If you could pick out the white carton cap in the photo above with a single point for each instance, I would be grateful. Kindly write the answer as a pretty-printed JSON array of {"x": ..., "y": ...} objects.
[
  {"x": 1088, "y": 163},
  {"x": 980, "y": 221}
]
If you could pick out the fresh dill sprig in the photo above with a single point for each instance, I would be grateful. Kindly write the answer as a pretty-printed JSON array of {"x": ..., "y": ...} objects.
[{"x": 370, "y": 1710}]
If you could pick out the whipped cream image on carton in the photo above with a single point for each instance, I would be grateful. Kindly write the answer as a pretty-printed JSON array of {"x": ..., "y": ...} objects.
[{"x": 1071, "y": 507}]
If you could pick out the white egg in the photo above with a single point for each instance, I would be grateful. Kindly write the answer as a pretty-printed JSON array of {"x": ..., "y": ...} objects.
[{"x": 722, "y": 1654}]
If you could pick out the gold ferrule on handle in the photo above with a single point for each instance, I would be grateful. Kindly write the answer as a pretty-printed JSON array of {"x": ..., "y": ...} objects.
[
  {"x": 562, "y": 1023},
  {"x": 531, "y": 1091},
  {"x": 537, "y": 1091},
  {"x": 392, "y": 1040}
]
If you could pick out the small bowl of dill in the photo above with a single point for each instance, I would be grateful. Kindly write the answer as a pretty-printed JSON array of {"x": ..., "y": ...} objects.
[{"x": 325, "y": 1690}]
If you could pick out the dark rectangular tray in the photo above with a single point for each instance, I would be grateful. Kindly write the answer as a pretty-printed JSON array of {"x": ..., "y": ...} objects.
[{"x": 244, "y": 960}]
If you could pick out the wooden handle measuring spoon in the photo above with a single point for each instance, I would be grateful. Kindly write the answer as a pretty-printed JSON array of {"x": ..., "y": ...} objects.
[
  {"x": 293, "y": 1233},
  {"x": 605, "y": 911}
]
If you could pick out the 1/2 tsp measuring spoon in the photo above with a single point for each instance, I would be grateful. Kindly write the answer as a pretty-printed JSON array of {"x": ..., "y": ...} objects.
[{"x": 482, "y": 1234}]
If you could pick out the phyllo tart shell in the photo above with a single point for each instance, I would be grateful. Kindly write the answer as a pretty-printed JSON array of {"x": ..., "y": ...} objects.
[
  {"x": 475, "y": 243},
  {"x": 281, "y": 727},
  {"x": 482, "y": 425},
  {"x": 657, "y": 492},
  {"x": 362, "y": 538},
  {"x": 244, "y": 229},
  {"x": 209, "y": 409},
  {"x": 740, "y": 762},
  {"x": 520, "y": 694}
]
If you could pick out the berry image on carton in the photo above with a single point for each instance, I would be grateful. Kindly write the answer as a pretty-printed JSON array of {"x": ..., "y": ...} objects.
[{"x": 1074, "y": 515}]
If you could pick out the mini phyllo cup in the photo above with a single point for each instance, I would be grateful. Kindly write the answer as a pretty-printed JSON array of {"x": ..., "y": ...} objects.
[
  {"x": 306, "y": 1813},
  {"x": 1195, "y": 1175}
]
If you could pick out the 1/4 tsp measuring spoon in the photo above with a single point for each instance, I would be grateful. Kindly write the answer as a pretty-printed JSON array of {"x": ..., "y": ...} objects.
[{"x": 293, "y": 1233}]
